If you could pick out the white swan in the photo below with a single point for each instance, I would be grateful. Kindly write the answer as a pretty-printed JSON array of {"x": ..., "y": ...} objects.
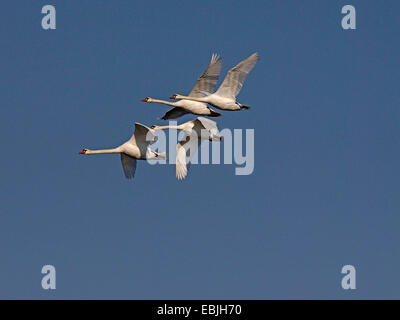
[
  {"x": 195, "y": 130},
  {"x": 225, "y": 97},
  {"x": 136, "y": 148},
  {"x": 205, "y": 85}
]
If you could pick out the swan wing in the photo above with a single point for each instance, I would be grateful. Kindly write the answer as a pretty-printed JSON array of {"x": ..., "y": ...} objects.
[
  {"x": 233, "y": 81},
  {"x": 206, "y": 83},
  {"x": 174, "y": 113},
  {"x": 129, "y": 165},
  {"x": 185, "y": 150},
  {"x": 143, "y": 135},
  {"x": 207, "y": 124}
]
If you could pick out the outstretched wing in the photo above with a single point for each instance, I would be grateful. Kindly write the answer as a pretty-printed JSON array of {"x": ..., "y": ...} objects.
[
  {"x": 208, "y": 80},
  {"x": 174, "y": 113},
  {"x": 233, "y": 81},
  {"x": 206, "y": 124},
  {"x": 143, "y": 135},
  {"x": 185, "y": 150},
  {"x": 129, "y": 165}
]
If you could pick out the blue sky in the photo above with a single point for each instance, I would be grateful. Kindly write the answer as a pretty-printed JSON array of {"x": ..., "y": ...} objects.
[{"x": 324, "y": 192}]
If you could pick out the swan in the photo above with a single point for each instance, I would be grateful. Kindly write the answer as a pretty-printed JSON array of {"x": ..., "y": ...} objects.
[
  {"x": 225, "y": 97},
  {"x": 136, "y": 148},
  {"x": 205, "y": 85},
  {"x": 196, "y": 130}
]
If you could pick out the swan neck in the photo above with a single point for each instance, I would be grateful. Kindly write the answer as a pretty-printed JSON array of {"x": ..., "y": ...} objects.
[
  {"x": 168, "y": 127},
  {"x": 163, "y": 102},
  {"x": 189, "y": 98},
  {"x": 114, "y": 150}
]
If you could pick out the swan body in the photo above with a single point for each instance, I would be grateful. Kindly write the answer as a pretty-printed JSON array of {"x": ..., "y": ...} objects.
[
  {"x": 136, "y": 148},
  {"x": 225, "y": 97},
  {"x": 205, "y": 85},
  {"x": 195, "y": 131}
]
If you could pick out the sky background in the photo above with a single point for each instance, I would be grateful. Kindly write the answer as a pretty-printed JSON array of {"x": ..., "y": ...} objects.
[{"x": 324, "y": 192}]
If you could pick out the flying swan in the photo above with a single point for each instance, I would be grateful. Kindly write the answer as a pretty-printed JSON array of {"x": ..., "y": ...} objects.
[
  {"x": 195, "y": 131},
  {"x": 205, "y": 85},
  {"x": 136, "y": 148},
  {"x": 225, "y": 97}
]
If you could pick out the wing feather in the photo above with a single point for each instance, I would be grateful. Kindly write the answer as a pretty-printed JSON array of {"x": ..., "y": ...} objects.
[
  {"x": 233, "y": 81},
  {"x": 143, "y": 135},
  {"x": 185, "y": 150},
  {"x": 174, "y": 113},
  {"x": 129, "y": 165},
  {"x": 208, "y": 80},
  {"x": 210, "y": 127}
]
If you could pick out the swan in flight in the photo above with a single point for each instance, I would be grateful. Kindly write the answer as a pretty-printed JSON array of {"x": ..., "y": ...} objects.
[
  {"x": 205, "y": 85},
  {"x": 195, "y": 131},
  {"x": 225, "y": 97},
  {"x": 136, "y": 148}
]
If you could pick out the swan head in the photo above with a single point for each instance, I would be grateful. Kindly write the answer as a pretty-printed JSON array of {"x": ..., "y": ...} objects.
[
  {"x": 147, "y": 99},
  {"x": 174, "y": 96},
  {"x": 84, "y": 151},
  {"x": 154, "y": 127}
]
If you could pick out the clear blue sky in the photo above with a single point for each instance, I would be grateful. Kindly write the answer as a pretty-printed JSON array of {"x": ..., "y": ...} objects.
[{"x": 324, "y": 193}]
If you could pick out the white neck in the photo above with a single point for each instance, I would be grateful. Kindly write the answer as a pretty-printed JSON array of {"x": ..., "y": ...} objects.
[
  {"x": 169, "y": 127},
  {"x": 162, "y": 101},
  {"x": 115, "y": 150},
  {"x": 178, "y": 96}
]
